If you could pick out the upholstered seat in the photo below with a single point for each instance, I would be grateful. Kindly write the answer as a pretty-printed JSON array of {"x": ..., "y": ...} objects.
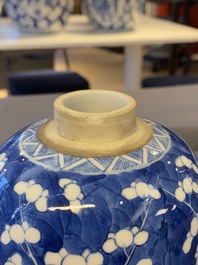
[
  {"x": 166, "y": 81},
  {"x": 45, "y": 81}
]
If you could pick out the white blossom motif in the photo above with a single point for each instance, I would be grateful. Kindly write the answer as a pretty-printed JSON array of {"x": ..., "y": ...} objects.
[
  {"x": 34, "y": 193},
  {"x": 3, "y": 160},
  {"x": 63, "y": 257},
  {"x": 20, "y": 234},
  {"x": 185, "y": 187},
  {"x": 72, "y": 192},
  {"x": 125, "y": 238},
  {"x": 14, "y": 260},
  {"x": 191, "y": 234},
  {"x": 184, "y": 161},
  {"x": 135, "y": 237},
  {"x": 145, "y": 262},
  {"x": 140, "y": 189},
  {"x": 33, "y": 7}
]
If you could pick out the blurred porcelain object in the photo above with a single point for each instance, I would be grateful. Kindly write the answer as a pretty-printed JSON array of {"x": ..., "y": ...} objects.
[
  {"x": 109, "y": 15},
  {"x": 97, "y": 186},
  {"x": 39, "y": 15}
]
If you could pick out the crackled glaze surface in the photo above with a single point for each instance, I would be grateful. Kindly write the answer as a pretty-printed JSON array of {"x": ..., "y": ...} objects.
[
  {"x": 39, "y": 16},
  {"x": 139, "y": 209},
  {"x": 109, "y": 14}
]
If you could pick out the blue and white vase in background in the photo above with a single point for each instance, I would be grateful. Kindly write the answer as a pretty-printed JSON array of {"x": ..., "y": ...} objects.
[
  {"x": 110, "y": 15},
  {"x": 98, "y": 186},
  {"x": 39, "y": 15}
]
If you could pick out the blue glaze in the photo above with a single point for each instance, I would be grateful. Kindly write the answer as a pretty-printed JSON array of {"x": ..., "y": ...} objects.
[
  {"x": 109, "y": 15},
  {"x": 39, "y": 15},
  {"x": 142, "y": 213}
]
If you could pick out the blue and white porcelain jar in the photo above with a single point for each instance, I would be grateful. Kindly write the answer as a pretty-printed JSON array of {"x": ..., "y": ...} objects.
[
  {"x": 110, "y": 15},
  {"x": 39, "y": 15},
  {"x": 97, "y": 186}
]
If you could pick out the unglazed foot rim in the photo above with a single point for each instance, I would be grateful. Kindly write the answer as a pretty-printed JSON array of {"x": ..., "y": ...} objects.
[
  {"x": 133, "y": 142},
  {"x": 95, "y": 134}
]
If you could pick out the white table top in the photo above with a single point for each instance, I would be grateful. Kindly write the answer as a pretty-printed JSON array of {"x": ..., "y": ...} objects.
[
  {"x": 174, "y": 107},
  {"x": 79, "y": 33}
]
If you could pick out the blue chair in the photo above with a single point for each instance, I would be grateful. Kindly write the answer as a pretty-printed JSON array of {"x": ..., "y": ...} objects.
[
  {"x": 165, "y": 81},
  {"x": 45, "y": 81}
]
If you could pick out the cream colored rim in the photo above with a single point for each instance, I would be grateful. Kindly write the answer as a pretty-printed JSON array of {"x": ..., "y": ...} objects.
[{"x": 95, "y": 123}]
